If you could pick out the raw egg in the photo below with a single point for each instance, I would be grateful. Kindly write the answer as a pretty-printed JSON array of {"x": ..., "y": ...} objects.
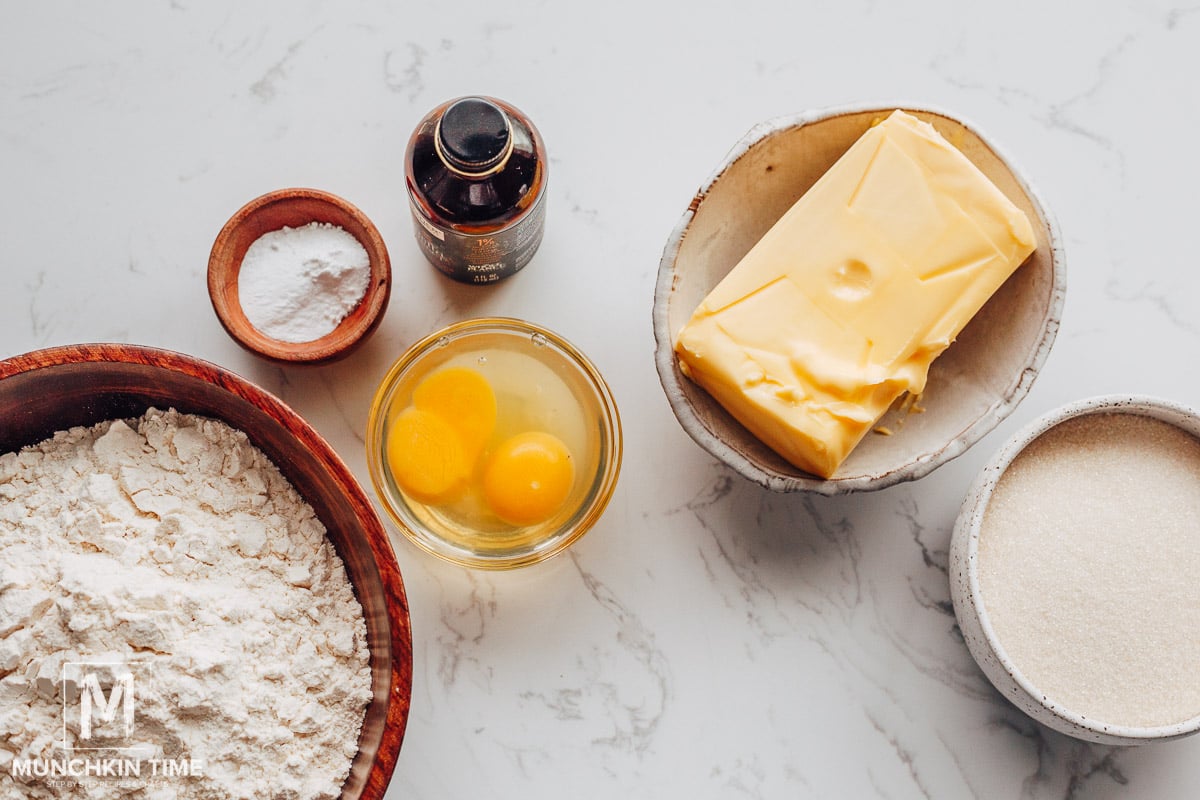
[
  {"x": 435, "y": 443},
  {"x": 459, "y": 448},
  {"x": 465, "y": 399},
  {"x": 427, "y": 456},
  {"x": 528, "y": 478},
  {"x": 532, "y": 419}
]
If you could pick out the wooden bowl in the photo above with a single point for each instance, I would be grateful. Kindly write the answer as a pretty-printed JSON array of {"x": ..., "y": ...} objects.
[
  {"x": 977, "y": 382},
  {"x": 54, "y": 389},
  {"x": 295, "y": 208}
]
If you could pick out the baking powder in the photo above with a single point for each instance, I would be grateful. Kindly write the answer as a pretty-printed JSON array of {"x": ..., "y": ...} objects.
[{"x": 297, "y": 284}]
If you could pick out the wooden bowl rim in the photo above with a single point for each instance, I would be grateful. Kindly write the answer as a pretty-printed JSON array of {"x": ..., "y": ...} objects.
[
  {"x": 338, "y": 343},
  {"x": 399, "y": 619},
  {"x": 671, "y": 378}
]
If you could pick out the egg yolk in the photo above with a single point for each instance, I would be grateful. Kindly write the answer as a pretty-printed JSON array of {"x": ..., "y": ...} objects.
[
  {"x": 427, "y": 456},
  {"x": 464, "y": 398},
  {"x": 528, "y": 478},
  {"x": 435, "y": 444}
]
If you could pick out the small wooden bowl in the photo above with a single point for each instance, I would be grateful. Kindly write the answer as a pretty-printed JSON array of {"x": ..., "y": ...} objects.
[
  {"x": 977, "y": 382},
  {"x": 295, "y": 208},
  {"x": 55, "y": 389}
]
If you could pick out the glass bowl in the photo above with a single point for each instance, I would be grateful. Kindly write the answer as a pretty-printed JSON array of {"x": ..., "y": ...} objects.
[{"x": 541, "y": 382}]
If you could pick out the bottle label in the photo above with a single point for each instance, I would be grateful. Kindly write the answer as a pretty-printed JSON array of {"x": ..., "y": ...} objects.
[
  {"x": 429, "y": 227},
  {"x": 486, "y": 258}
]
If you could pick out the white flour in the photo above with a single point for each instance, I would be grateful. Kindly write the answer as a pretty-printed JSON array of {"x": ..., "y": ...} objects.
[
  {"x": 297, "y": 284},
  {"x": 177, "y": 546}
]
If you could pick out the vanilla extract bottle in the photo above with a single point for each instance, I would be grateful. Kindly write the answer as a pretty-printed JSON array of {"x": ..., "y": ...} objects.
[{"x": 475, "y": 169}]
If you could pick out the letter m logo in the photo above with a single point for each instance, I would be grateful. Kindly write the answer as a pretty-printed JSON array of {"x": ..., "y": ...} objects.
[{"x": 93, "y": 704}]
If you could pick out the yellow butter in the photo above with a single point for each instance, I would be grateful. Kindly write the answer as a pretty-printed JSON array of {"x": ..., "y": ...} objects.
[{"x": 841, "y": 307}]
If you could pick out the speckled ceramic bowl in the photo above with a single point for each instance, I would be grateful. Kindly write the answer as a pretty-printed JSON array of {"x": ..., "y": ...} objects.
[
  {"x": 972, "y": 386},
  {"x": 969, "y": 603}
]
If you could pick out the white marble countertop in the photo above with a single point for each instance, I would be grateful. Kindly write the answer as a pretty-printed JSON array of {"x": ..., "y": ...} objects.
[{"x": 707, "y": 638}]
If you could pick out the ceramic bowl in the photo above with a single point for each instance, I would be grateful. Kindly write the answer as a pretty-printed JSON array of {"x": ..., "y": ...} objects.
[
  {"x": 550, "y": 367},
  {"x": 55, "y": 389},
  {"x": 295, "y": 208},
  {"x": 970, "y": 605},
  {"x": 972, "y": 386}
]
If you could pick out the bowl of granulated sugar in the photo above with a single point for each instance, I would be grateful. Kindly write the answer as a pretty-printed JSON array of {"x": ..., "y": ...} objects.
[
  {"x": 1074, "y": 566},
  {"x": 299, "y": 276}
]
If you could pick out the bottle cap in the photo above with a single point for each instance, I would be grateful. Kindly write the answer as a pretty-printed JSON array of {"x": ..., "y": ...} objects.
[{"x": 474, "y": 136}]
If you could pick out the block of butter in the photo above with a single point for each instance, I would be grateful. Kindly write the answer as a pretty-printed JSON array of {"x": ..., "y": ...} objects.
[{"x": 841, "y": 307}]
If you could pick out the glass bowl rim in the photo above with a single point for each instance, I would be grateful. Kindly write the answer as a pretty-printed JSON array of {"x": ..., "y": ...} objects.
[{"x": 610, "y": 422}]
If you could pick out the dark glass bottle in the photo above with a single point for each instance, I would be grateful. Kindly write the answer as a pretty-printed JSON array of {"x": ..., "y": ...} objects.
[{"x": 475, "y": 169}]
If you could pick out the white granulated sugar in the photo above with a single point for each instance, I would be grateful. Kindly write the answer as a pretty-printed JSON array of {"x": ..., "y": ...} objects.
[
  {"x": 173, "y": 544},
  {"x": 297, "y": 284},
  {"x": 1089, "y": 568}
]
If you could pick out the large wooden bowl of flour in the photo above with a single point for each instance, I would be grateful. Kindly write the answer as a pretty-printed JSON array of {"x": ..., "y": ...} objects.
[{"x": 54, "y": 389}]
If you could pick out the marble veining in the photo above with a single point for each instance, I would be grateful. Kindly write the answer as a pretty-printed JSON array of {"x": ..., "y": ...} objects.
[
  {"x": 402, "y": 70},
  {"x": 265, "y": 87},
  {"x": 1163, "y": 300},
  {"x": 708, "y": 638}
]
